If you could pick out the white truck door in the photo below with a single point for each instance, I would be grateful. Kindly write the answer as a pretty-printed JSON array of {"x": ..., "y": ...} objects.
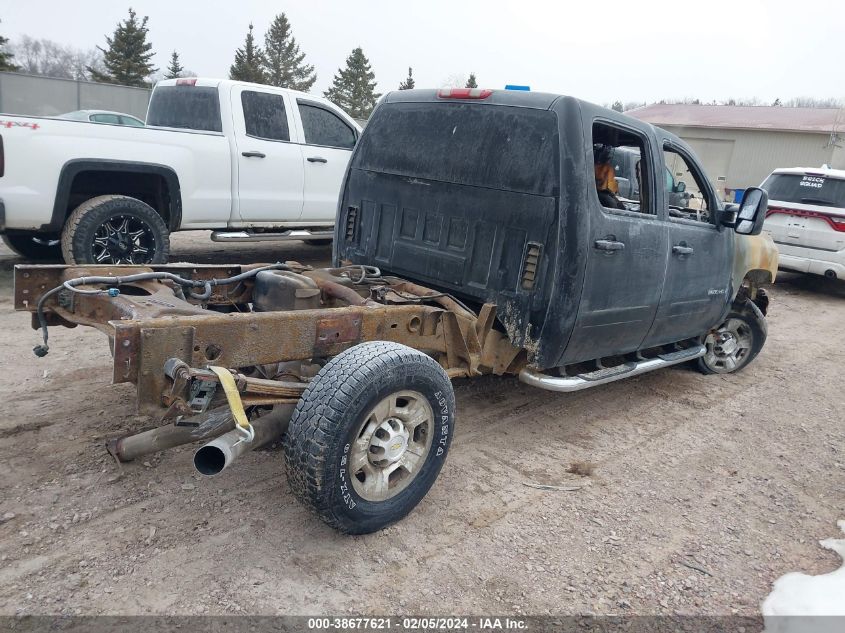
[
  {"x": 269, "y": 173},
  {"x": 328, "y": 143}
]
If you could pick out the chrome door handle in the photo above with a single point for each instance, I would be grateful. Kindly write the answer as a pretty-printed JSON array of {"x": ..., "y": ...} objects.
[
  {"x": 609, "y": 245},
  {"x": 317, "y": 159},
  {"x": 253, "y": 154},
  {"x": 681, "y": 249}
]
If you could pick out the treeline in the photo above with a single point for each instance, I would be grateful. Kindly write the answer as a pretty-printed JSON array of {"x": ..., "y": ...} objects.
[
  {"x": 277, "y": 60},
  {"x": 795, "y": 102},
  {"x": 126, "y": 59}
]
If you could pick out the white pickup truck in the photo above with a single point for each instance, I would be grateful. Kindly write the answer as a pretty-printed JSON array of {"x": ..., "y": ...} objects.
[{"x": 249, "y": 162}]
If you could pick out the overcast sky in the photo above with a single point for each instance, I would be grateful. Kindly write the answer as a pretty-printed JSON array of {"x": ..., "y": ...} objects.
[{"x": 599, "y": 50}]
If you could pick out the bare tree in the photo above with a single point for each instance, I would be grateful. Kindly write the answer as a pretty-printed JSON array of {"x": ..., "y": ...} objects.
[
  {"x": 45, "y": 57},
  {"x": 454, "y": 81},
  {"x": 795, "y": 102},
  {"x": 814, "y": 102},
  {"x": 632, "y": 105}
]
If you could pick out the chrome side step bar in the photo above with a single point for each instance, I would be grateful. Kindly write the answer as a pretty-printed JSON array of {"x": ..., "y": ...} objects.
[
  {"x": 282, "y": 236},
  {"x": 602, "y": 376}
]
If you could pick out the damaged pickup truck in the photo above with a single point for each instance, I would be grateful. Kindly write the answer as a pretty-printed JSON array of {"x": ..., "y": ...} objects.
[{"x": 477, "y": 233}]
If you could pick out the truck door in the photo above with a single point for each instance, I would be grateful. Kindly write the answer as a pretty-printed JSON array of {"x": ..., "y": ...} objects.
[
  {"x": 269, "y": 161},
  {"x": 328, "y": 144},
  {"x": 697, "y": 290},
  {"x": 626, "y": 257}
]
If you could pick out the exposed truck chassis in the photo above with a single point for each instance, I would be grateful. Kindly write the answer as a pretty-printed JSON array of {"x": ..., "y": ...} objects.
[
  {"x": 212, "y": 367},
  {"x": 148, "y": 325}
]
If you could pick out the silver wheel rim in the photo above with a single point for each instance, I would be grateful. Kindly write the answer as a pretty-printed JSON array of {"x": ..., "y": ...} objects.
[
  {"x": 728, "y": 346},
  {"x": 391, "y": 445}
]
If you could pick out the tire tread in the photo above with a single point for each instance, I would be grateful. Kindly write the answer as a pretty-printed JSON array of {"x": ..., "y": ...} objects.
[
  {"x": 315, "y": 422},
  {"x": 82, "y": 215}
]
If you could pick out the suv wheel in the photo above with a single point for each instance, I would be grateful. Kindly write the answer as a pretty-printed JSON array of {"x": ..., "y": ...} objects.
[
  {"x": 369, "y": 436},
  {"x": 30, "y": 246},
  {"x": 115, "y": 230},
  {"x": 736, "y": 342}
]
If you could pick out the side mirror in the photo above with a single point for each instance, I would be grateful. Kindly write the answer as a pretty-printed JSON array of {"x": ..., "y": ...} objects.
[
  {"x": 747, "y": 217},
  {"x": 680, "y": 187}
]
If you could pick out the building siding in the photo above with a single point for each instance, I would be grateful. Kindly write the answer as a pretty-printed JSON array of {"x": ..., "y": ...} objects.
[{"x": 748, "y": 156}]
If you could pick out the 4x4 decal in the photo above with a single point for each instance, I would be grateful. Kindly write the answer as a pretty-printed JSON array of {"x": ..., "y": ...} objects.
[{"x": 10, "y": 124}]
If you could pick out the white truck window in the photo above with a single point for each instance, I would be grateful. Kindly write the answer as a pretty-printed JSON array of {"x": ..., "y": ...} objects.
[
  {"x": 265, "y": 116},
  {"x": 325, "y": 128},
  {"x": 185, "y": 107}
]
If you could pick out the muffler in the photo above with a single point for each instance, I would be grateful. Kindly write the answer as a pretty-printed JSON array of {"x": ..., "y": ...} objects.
[{"x": 219, "y": 454}]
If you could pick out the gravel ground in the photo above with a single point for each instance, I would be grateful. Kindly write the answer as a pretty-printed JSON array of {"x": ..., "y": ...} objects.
[{"x": 703, "y": 490}]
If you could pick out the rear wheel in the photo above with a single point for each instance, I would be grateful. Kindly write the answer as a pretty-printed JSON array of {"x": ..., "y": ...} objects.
[
  {"x": 115, "y": 230},
  {"x": 34, "y": 246},
  {"x": 369, "y": 436},
  {"x": 736, "y": 342}
]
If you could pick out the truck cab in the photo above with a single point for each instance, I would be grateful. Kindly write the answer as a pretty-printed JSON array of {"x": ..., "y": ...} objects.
[{"x": 496, "y": 197}]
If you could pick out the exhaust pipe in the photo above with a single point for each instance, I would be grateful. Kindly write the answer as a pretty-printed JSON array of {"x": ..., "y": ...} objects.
[
  {"x": 219, "y": 454},
  {"x": 830, "y": 273},
  {"x": 210, "y": 424}
]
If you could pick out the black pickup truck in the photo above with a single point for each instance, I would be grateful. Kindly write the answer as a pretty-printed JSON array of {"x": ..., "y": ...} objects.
[
  {"x": 492, "y": 196},
  {"x": 477, "y": 233}
]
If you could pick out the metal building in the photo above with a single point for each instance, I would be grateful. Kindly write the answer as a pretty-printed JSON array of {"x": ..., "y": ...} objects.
[{"x": 740, "y": 145}]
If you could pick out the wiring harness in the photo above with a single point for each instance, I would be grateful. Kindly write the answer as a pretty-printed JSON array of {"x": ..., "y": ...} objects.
[{"x": 114, "y": 284}]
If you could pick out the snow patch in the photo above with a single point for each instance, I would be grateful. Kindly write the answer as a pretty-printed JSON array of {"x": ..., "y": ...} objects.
[{"x": 797, "y": 594}]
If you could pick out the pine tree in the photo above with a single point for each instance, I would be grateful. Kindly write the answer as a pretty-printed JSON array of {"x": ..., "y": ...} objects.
[
  {"x": 175, "y": 69},
  {"x": 471, "y": 82},
  {"x": 409, "y": 83},
  {"x": 353, "y": 87},
  {"x": 6, "y": 57},
  {"x": 283, "y": 62},
  {"x": 617, "y": 105},
  {"x": 247, "y": 66},
  {"x": 127, "y": 59}
]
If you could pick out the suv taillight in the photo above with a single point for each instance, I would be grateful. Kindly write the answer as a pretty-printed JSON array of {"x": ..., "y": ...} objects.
[
  {"x": 836, "y": 222},
  {"x": 464, "y": 93}
]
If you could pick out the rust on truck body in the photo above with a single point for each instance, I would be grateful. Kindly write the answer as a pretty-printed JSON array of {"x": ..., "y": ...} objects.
[{"x": 149, "y": 325}]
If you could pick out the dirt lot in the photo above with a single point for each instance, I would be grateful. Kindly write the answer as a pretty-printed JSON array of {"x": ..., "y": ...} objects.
[{"x": 738, "y": 476}]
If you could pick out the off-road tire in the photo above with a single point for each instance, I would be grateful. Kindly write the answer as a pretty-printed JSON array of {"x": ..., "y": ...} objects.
[
  {"x": 331, "y": 411},
  {"x": 81, "y": 226},
  {"x": 746, "y": 311},
  {"x": 25, "y": 245}
]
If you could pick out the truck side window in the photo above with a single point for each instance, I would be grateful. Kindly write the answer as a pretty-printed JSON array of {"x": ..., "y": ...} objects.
[
  {"x": 685, "y": 191},
  {"x": 265, "y": 116},
  {"x": 622, "y": 169},
  {"x": 325, "y": 128}
]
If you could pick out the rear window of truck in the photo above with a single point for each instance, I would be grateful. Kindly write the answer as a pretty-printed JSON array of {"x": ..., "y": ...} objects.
[
  {"x": 185, "y": 107},
  {"x": 497, "y": 147},
  {"x": 806, "y": 189}
]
